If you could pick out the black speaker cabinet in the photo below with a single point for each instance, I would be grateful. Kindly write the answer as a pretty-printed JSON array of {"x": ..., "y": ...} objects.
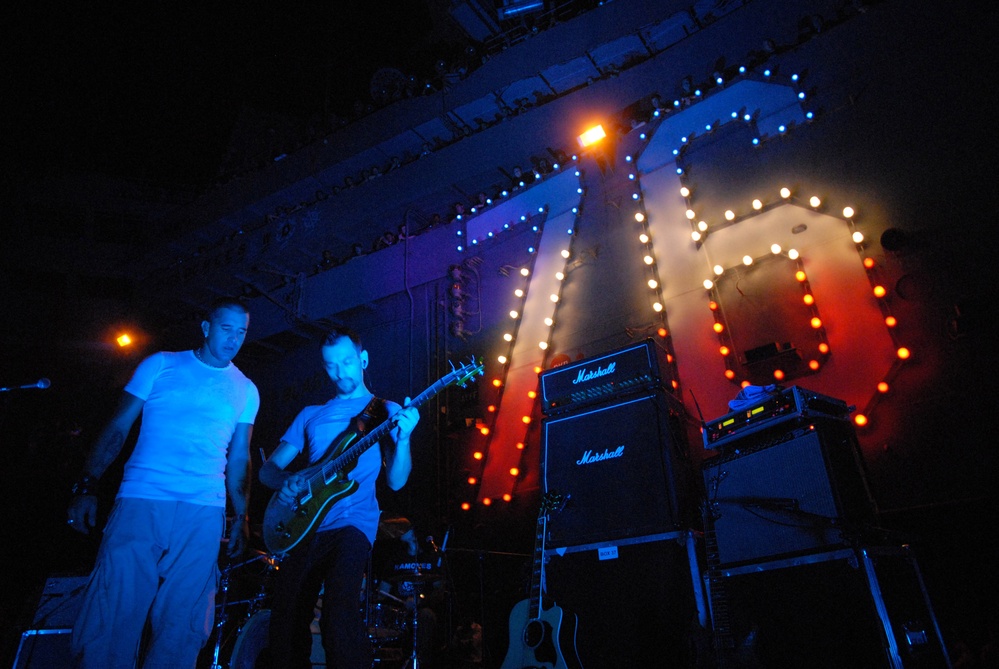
[
  {"x": 863, "y": 608},
  {"x": 44, "y": 649},
  {"x": 623, "y": 467},
  {"x": 635, "y": 602},
  {"x": 797, "y": 490},
  {"x": 46, "y": 644}
]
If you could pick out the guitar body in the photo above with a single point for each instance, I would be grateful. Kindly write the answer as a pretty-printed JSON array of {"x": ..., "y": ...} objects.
[
  {"x": 286, "y": 525},
  {"x": 545, "y": 642}
]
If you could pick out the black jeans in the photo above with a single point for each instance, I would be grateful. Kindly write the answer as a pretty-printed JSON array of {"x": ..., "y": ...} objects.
[{"x": 337, "y": 560}]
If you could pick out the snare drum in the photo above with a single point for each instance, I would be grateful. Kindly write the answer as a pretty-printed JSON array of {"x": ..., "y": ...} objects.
[{"x": 386, "y": 623}]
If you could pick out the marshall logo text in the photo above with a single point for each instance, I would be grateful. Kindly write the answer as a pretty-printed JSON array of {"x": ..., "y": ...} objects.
[
  {"x": 589, "y": 456},
  {"x": 596, "y": 373}
]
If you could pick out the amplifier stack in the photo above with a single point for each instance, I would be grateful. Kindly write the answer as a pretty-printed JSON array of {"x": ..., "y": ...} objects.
[
  {"x": 792, "y": 568},
  {"x": 620, "y": 554}
]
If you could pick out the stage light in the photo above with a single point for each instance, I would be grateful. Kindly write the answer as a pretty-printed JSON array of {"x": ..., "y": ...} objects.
[
  {"x": 465, "y": 506},
  {"x": 501, "y": 359},
  {"x": 718, "y": 327},
  {"x": 775, "y": 249},
  {"x": 904, "y": 353},
  {"x": 882, "y": 387},
  {"x": 724, "y": 350},
  {"x": 653, "y": 284},
  {"x": 486, "y": 501},
  {"x": 792, "y": 254},
  {"x": 657, "y": 307},
  {"x": 506, "y": 498},
  {"x": 729, "y": 215},
  {"x": 123, "y": 340},
  {"x": 785, "y": 193},
  {"x": 702, "y": 226},
  {"x": 860, "y": 420},
  {"x": 644, "y": 238},
  {"x": 471, "y": 480},
  {"x": 690, "y": 214},
  {"x": 757, "y": 205},
  {"x": 816, "y": 323},
  {"x": 848, "y": 212},
  {"x": 514, "y": 471},
  {"x": 808, "y": 299},
  {"x": 648, "y": 260},
  {"x": 879, "y": 291},
  {"x": 477, "y": 455},
  {"x": 484, "y": 430},
  {"x": 520, "y": 445},
  {"x": 858, "y": 237},
  {"x": 718, "y": 270},
  {"x": 891, "y": 321},
  {"x": 507, "y": 336},
  {"x": 592, "y": 136},
  {"x": 640, "y": 217}
]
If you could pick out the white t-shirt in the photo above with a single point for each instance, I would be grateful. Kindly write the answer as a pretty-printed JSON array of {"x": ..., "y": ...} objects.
[{"x": 190, "y": 414}]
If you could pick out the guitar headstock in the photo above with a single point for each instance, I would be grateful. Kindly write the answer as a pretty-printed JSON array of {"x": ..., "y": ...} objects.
[
  {"x": 552, "y": 501},
  {"x": 467, "y": 372}
]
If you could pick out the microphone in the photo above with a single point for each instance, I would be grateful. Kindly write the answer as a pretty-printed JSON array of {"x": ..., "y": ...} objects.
[{"x": 42, "y": 383}]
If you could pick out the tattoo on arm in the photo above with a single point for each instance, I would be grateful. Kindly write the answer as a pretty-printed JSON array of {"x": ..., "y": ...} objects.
[{"x": 106, "y": 449}]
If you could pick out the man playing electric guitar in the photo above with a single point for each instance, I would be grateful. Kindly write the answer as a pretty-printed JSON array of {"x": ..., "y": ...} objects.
[{"x": 335, "y": 555}]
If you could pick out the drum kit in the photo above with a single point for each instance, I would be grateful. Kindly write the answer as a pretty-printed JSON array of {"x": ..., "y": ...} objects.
[{"x": 242, "y": 618}]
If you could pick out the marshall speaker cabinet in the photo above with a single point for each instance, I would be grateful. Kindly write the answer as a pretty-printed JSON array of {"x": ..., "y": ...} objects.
[{"x": 623, "y": 468}]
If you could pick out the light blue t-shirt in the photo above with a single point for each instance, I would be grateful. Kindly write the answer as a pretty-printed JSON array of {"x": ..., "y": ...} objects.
[
  {"x": 314, "y": 430},
  {"x": 190, "y": 414}
]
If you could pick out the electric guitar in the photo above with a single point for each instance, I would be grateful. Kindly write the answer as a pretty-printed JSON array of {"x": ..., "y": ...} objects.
[
  {"x": 287, "y": 524},
  {"x": 541, "y": 638}
]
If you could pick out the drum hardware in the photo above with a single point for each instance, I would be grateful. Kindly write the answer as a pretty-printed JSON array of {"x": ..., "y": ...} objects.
[{"x": 253, "y": 603}]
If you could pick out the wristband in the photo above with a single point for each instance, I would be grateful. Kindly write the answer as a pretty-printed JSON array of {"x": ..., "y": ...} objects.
[{"x": 87, "y": 485}]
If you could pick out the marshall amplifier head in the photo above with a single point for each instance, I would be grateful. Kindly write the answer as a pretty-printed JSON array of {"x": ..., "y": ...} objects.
[
  {"x": 623, "y": 469},
  {"x": 627, "y": 370}
]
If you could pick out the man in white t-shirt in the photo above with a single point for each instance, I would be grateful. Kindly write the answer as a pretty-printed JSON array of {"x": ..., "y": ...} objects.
[{"x": 158, "y": 559}]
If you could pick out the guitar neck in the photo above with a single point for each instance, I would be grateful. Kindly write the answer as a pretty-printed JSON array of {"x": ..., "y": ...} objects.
[
  {"x": 538, "y": 572},
  {"x": 375, "y": 435}
]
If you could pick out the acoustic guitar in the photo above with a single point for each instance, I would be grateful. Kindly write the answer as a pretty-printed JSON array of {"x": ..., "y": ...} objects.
[{"x": 541, "y": 638}]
